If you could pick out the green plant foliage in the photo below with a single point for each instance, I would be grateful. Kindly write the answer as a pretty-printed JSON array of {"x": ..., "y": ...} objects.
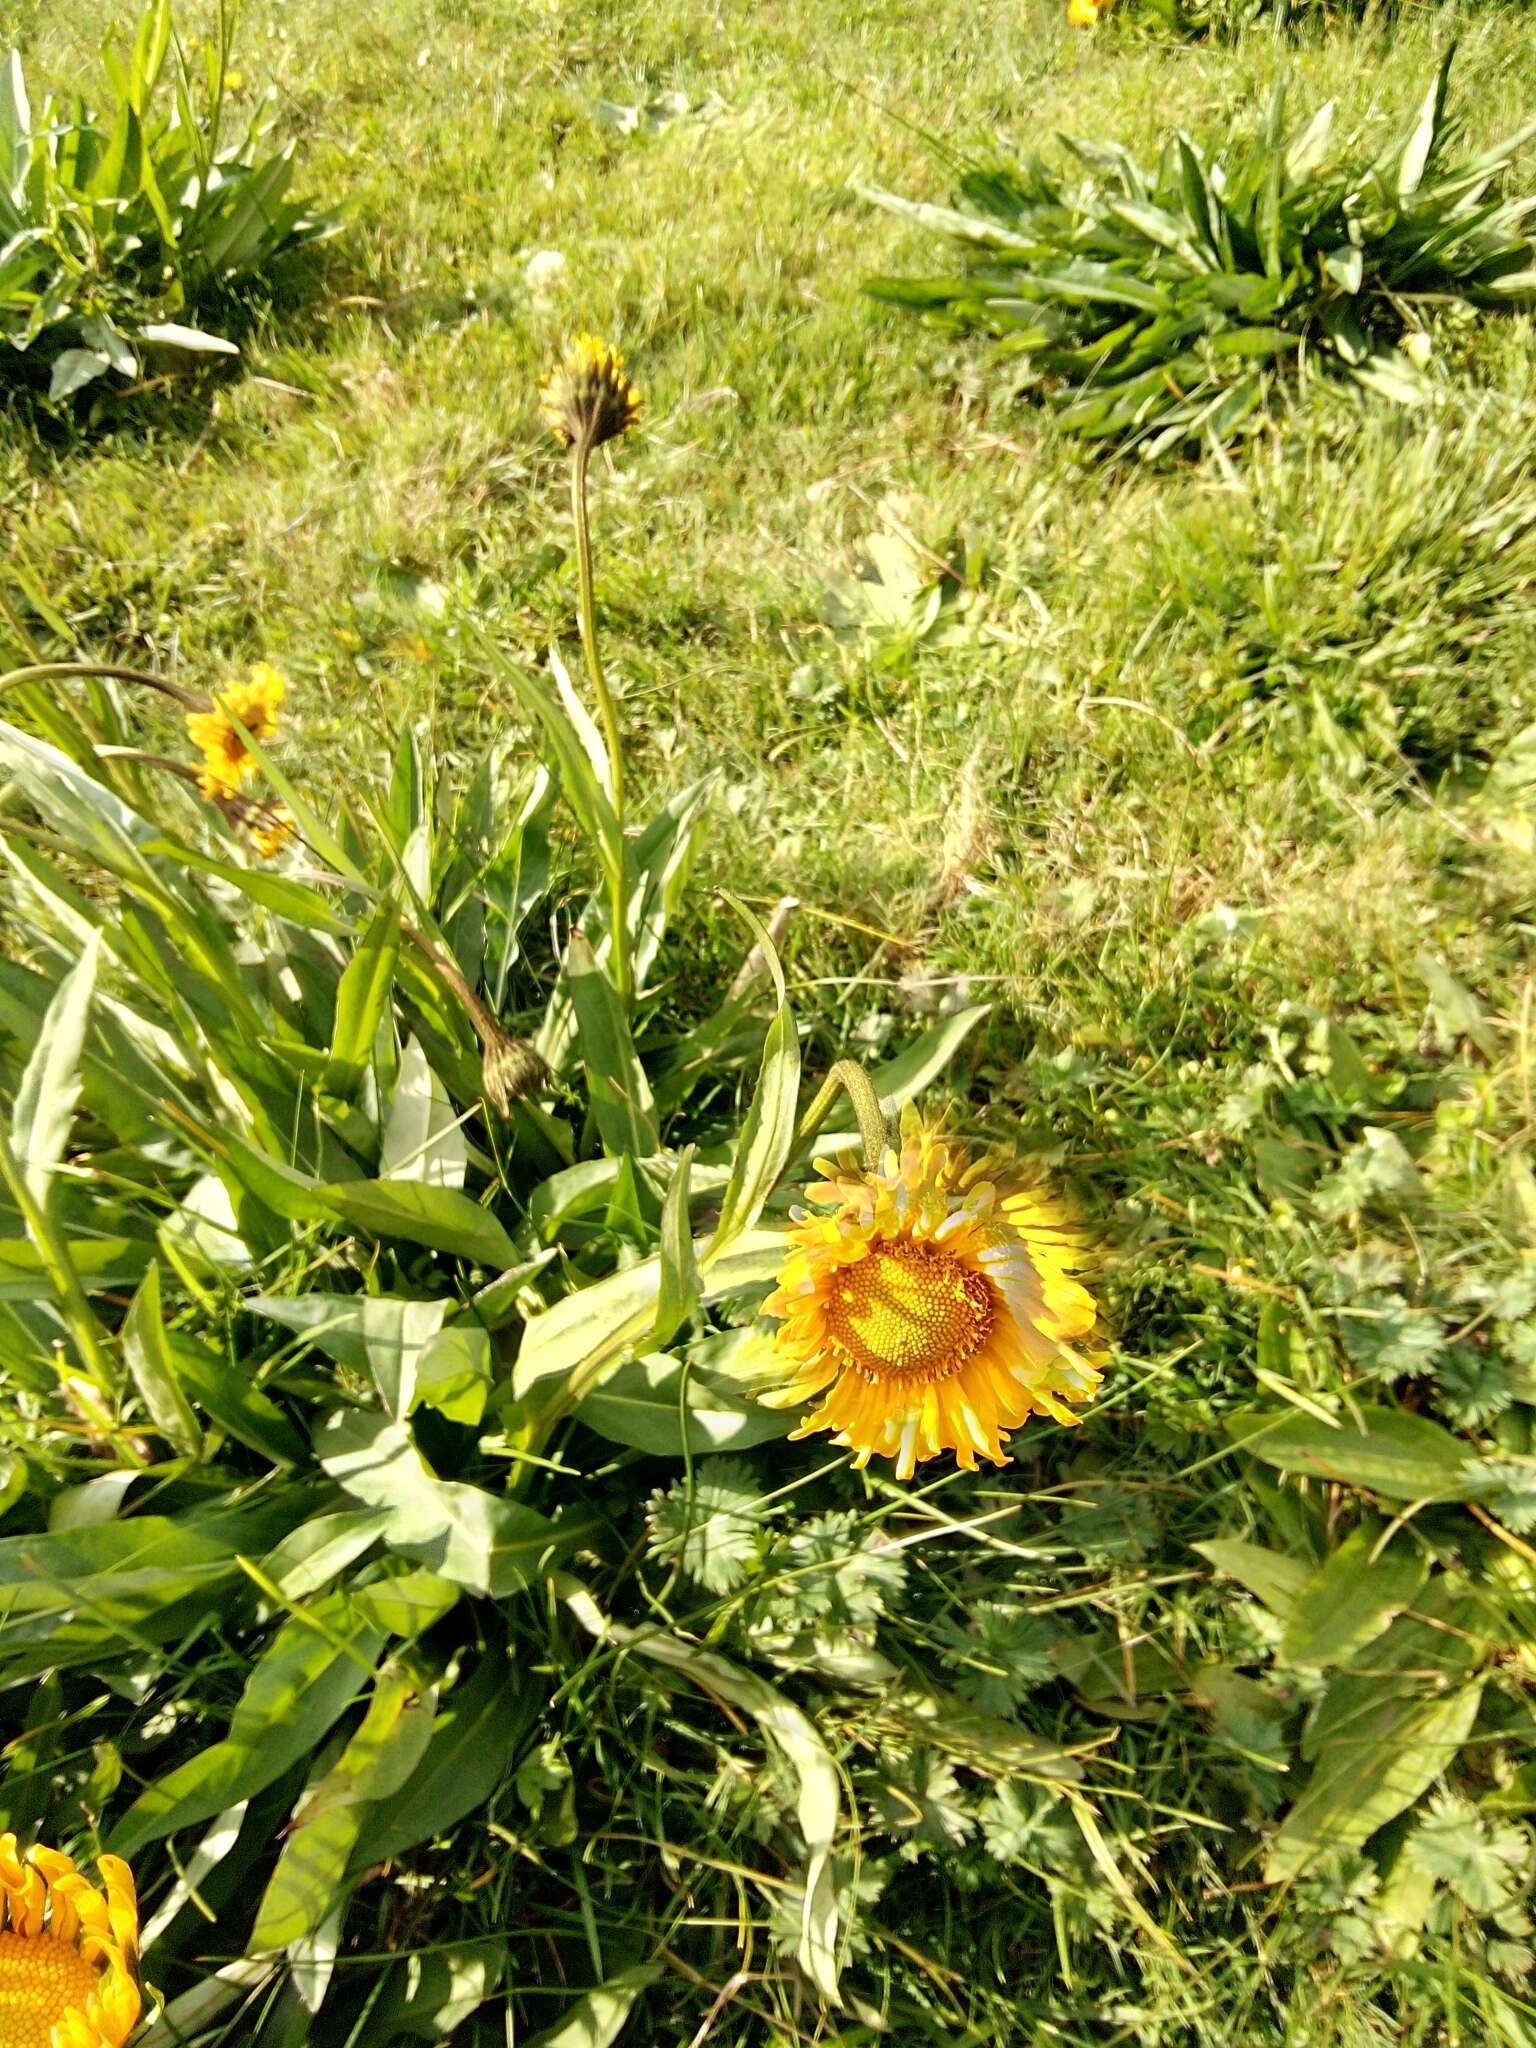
[
  {"x": 1159, "y": 308},
  {"x": 1226, "y": 20},
  {"x": 1178, "y": 821},
  {"x": 119, "y": 225},
  {"x": 376, "y": 1431}
]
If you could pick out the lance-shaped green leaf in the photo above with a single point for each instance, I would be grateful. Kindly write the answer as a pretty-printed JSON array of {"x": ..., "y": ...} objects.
[
  {"x": 474, "y": 1538},
  {"x": 431, "y": 1992},
  {"x": 422, "y": 1137},
  {"x": 303, "y": 1683},
  {"x": 379, "y": 1757},
  {"x": 1269, "y": 1575},
  {"x": 152, "y": 1366},
  {"x": 1349, "y": 1602},
  {"x": 661, "y": 1404},
  {"x": 1389, "y": 1451},
  {"x": 584, "y": 1335},
  {"x": 599, "y": 2016},
  {"x": 768, "y": 1129},
  {"x": 123, "y": 1574},
  {"x": 44, "y": 1111},
  {"x": 616, "y": 1085},
  {"x": 678, "y": 1288},
  {"x": 1371, "y": 1772},
  {"x": 362, "y": 999},
  {"x": 480, "y": 1727},
  {"x": 441, "y": 1218}
]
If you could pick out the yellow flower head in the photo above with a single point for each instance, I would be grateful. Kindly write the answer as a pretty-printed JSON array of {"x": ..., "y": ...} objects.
[
  {"x": 271, "y": 828},
  {"x": 931, "y": 1305},
  {"x": 587, "y": 398},
  {"x": 68, "y": 1953},
  {"x": 1085, "y": 13},
  {"x": 227, "y": 761}
]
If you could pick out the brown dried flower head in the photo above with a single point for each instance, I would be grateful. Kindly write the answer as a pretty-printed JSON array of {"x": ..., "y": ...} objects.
[{"x": 510, "y": 1069}]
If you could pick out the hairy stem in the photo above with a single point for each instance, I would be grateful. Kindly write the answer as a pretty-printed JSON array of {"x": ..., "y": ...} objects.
[
  {"x": 607, "y": 714},
  {"x": 50, "y": 671},
  {"x": 874, "y": 1129}
]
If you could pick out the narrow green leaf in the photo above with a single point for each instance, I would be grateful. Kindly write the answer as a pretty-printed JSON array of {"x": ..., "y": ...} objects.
[
  {"x": 898, "y": 1081},
  {"x": 440, "y": 1218},
  {"x": 318, "y": 1845},
  {"x": 362, "y": 1001},
  {"x": 582, "y": 724},
  {"x": 15, "y": 120},
  {"x": 659, "y": 1404},
  {"x": 300, "y": 1687},
  {"x": 1351, "y": 1600},
  {"x": 423, "y": 1139},
  {"x": 1396, "y": 1454},
  {"x": 224, "y": 1393},
  {"x": 678, "y": 1291},
  {"x": 432, "y": 1991},
  {"x": 284, "y": 896},
  {"x": 1269, "y": 1575},
  {"x": 598, "y": 2017},
  {"x": 152, "y": 1366},
  {"x": 486, "y": 1544},
  {"x": 584, "y": 1335},
  {"x": 480, "y": 1727},
  {"x": 1419, "y": 147},
  {"x": 99, "y": 1263},
  {"x": 1371, "y": 1775},
  {"x": 768, "y": 1130},
  {"x": 617, "y": 1088},
  {"x": 44, "y": 1110}
]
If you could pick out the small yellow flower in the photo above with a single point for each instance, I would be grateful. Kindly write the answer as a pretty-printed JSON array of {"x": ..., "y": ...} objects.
[
  {"x": 1085, "y": 13},
  {"x": 271, "y": 828},
  {"x": 931, "y": 1305},
  {"x": 588, "y": 399},
  {"x": 227, "y": 761},
  {"x": 68, "y": 1953}
]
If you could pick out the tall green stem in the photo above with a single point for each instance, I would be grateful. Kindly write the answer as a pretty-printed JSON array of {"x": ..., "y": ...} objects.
[
  {"x": 874, "y": 1129},
  {"x": 74, "y": 1305},
  {"x": 608, "y": 717}
]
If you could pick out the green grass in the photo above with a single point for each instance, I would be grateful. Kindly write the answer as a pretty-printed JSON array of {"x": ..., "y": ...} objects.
[{"x": 1195, "y": 769}]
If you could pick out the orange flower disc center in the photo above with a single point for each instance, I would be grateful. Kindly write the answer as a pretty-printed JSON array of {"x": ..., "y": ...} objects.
[
  {"x": 40, "y": 1980},
  {"x": 909, "y": 1312}
]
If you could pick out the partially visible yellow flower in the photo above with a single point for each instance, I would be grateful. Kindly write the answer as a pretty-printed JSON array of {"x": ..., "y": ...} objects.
[
  {"x": 931, "y": 1305},
  {"x": 587, "y": 399},
  {"x": 68, "y": 1953},
  {"x": 1085, "y": 13},
  {"x": 271, "y": 828},
  {"x": 227, "y": 761}
]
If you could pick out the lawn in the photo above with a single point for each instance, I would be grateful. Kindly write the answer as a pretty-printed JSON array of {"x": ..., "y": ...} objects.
[{"x": 1211, "y": 779}]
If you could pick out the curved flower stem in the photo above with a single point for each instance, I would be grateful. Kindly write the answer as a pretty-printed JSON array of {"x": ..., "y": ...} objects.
[
  {"x": 581, "y": 455},
  {"x": 874, "y": 1129},
  {"x": 74, "y": 1305},
  {"x": 50, "y": 671}
]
